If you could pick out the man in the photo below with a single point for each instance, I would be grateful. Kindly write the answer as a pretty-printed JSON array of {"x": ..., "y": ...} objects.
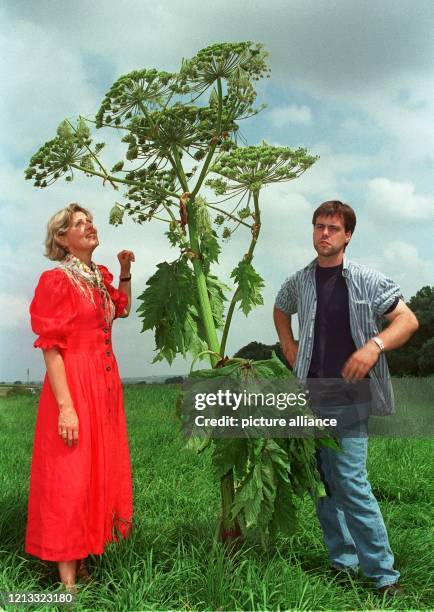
[{"x": 340, "y": 305}]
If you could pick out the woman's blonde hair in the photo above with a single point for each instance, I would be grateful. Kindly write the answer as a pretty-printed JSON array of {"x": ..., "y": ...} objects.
[{"x": 57, "y": 226}]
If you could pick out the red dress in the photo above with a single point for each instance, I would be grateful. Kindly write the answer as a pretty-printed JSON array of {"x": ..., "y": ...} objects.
[{"x": 80, "y": 497}]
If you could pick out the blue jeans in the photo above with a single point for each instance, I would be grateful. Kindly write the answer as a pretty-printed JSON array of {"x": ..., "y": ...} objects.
[{"x": 351, "y": 520}]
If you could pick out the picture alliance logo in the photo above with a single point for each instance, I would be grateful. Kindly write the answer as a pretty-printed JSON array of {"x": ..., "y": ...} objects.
[{"x": 251, "y": 422}]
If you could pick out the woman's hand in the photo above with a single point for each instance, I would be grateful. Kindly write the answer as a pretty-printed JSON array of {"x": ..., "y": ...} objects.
[
  {"x": 125, "y": 258},
  {"x": 68, "y": 420},
  {"x": 68, "y": 425}
]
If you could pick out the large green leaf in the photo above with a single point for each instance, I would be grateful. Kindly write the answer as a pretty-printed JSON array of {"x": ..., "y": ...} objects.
[
  {"x": 228, "y": 454},
  {"x": 255, "y": 496},
  {"x": 249, "y": 286},
  {"x": 169, "y": 306},
  {"x": 217, "y": 298},
  {"x": 280, "y": 459},
  {"x": 268, "y": 478},
  {"x": 268, "y": 473},
  {"x": 246, "y": 369},
  {"x": 272, "y": 368},
  {"x": 248, "y": 497},
  {"x": 232, "y": 368},
  {"x": 210, "y": 248},
  {"x": 304, "y": 474},
  {"x": 284, "y": 518}
]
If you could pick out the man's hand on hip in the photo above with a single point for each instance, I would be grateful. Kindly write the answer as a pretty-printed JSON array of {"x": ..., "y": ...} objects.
[
  {"x": 360, "y": 362},
  {"x": 290, "y": 351}
]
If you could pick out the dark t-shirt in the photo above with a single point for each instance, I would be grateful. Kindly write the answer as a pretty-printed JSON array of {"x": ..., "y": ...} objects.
[{"x": 333, "y": 343}]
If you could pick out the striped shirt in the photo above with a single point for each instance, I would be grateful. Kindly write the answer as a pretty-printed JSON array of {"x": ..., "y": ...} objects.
[{"x": 370, "y": 295}]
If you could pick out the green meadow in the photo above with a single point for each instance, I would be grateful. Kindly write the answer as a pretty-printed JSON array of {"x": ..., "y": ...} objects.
[{"x": 172, "y": 561}]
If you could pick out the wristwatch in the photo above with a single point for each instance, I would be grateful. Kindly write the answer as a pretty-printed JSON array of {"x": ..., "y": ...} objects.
[{"x": 378, "y": 341}]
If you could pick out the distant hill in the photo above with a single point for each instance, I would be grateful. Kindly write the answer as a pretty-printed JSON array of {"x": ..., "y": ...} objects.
[
  {"x": 257, "y": 351},
  {"x": 156, "y": 380}
]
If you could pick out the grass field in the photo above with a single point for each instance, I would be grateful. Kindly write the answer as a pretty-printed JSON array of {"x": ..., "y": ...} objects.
[{"x": 170, "y": 561}]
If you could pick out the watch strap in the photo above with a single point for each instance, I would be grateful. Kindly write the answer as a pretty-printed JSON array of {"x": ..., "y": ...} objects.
[{"x": 378, "y": 341}]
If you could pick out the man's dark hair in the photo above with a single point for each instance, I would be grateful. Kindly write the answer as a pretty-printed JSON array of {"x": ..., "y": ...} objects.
[{"x": 335, "y": 207}]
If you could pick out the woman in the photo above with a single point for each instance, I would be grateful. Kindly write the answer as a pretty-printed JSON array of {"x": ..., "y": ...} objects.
[{"x": 80, "y": 486}]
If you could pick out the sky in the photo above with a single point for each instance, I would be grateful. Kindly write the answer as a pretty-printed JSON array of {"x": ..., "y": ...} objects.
[{"x": 351, "y": 81}]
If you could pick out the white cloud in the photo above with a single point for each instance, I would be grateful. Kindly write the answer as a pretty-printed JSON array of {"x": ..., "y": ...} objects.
[
  {"x": 321, "y": 181},
  {"x": 14, "y": 309},
  {"x": 399, "y": 251},
  {"x": 405, "y": 265},
  {"x": 42, "y": 83},
  {"x": 284, "y": 115},
  {"x": 329, "y": 46},
  {"x": 398, "y": 201},
  {"x": 397, "y": 259}
]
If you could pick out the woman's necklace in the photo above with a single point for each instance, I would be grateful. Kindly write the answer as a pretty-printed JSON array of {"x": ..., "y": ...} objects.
[
  {"x": 86, "y": 278},
  {"x": 89, "y": 274}
]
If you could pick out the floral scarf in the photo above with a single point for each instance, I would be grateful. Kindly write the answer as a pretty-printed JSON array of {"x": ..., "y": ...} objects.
[{"x": 85, "y": 279}]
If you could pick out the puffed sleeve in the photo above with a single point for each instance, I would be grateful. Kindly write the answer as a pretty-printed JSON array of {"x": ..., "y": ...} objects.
[
  {"x": 119, "y": 298},
  {"x": 52, "y": 311}
]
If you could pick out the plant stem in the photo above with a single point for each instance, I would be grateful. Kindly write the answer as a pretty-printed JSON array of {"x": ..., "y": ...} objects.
[
  {"x": 169, "y": 212},
  {"x": 210, "y": 155},
  {"x": 158, "y": 218},
  {"x": 114, "y": 179},
  {"x": 207, "y": 317},
  {"x": 107, "y": 177},
  {"x": 204, "y": 170},
  {"x": 247, "y": 257},
  {"x": 202, "y": 289},
  {"x": 229, "y": 528},
  {"x": 147, "y": 115},
  {"x": 179, "y": 169},
  {"x": 229, "y": 315},
  {"x": 221, "y": 210},
  {"x": 255, "y": 233}
]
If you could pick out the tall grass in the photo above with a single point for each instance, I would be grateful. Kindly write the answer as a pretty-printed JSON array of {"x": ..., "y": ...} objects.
[{"x": 171, "y": 561}]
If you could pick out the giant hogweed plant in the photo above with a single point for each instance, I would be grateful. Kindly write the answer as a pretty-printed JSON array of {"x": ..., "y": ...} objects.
[{"x": 181, "y": 131}]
